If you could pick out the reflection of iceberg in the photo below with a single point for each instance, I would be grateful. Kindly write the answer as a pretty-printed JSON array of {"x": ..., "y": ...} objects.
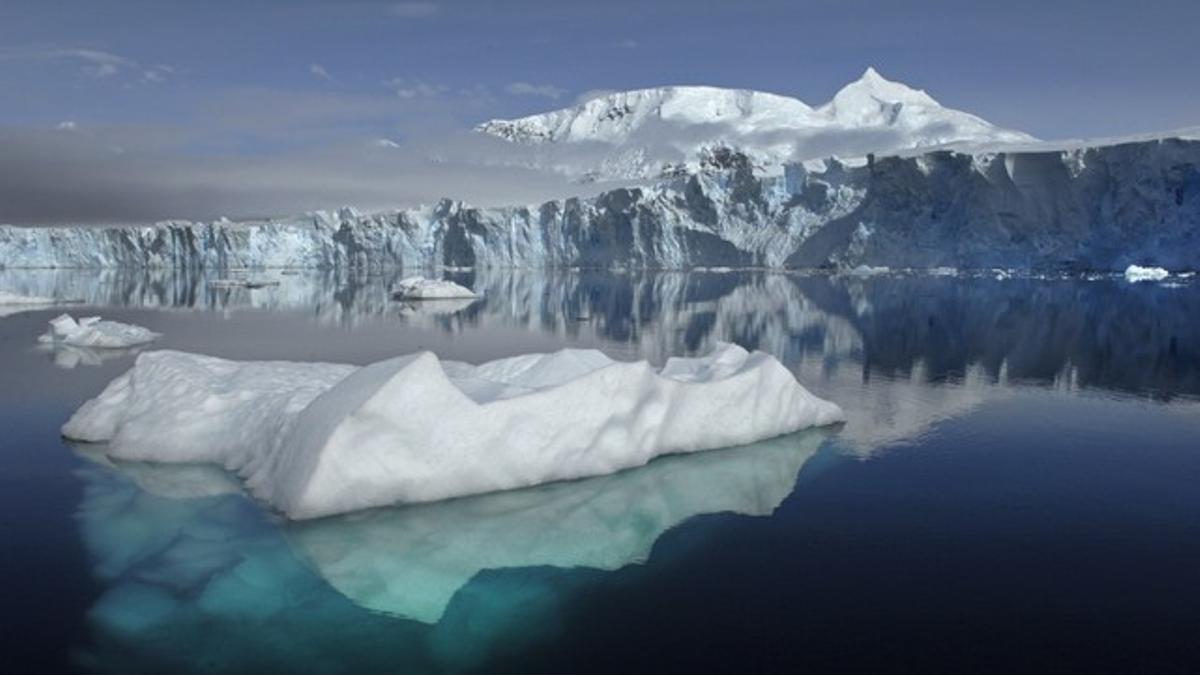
[
  {"x": 193, "y": 572},
  {"x": 435, "y": 308},
  {"x": 319, "y": 439},
  {"x": 410, "y": 561},
  {"x": 69, "y": 357}
]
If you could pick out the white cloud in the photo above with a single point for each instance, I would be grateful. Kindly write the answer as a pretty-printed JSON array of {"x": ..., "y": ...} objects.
[
  {"x": 414, "y": 10},
  {"x": 318, "y": 71},
  {"x": 624, "y": 44},
  {"x": 543, "y": 90},
  {"x": 415, "y": 88},
  {"x": 94, "y": 63},
  {"x": 68, "y": 125}
]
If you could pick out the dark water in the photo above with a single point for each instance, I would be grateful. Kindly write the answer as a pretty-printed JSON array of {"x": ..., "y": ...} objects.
[{"x": 1016, "y": 491}]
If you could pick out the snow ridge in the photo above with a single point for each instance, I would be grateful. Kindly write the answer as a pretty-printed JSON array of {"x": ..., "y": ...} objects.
[{"x": 654, "y": 130}]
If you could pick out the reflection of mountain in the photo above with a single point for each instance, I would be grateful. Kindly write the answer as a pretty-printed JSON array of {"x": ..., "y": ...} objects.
[
  {"x": 411, "y": 561},
  {"x": 179, "y": 548}
]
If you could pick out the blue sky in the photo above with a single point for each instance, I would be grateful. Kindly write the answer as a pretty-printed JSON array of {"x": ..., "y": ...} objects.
[{"x": 266, "y": 77}]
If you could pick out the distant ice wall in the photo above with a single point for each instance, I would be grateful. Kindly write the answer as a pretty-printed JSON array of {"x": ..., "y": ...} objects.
[{"x": 1099, "y": 208}]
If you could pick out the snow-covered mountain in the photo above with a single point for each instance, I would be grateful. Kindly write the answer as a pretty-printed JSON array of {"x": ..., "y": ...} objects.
[
  {"x": 646, "y": 132},
  {"x": 1081, "y": 208}
]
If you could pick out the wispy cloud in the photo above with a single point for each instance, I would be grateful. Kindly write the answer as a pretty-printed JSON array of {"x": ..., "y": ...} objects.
[
  {"x": 414, "y": 10},
  {"x": 318, "y": 71},
  {"x": 405, "y": 88},
  {"x": 624, "y": 44},
  {"x": 527, "y": 89},
  {"x": 94, "y": 63}
]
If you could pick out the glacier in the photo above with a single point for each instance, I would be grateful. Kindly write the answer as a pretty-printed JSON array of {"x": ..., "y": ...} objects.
[
  {"x": 316, "y": 439},
  {"x": 1031, "y": 207}
]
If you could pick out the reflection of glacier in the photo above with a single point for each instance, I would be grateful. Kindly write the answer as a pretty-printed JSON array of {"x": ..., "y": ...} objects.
[
  {"x": 899, "y": 351},
  {"x": 194, "y": 573},
  {"x": 411, "y": 561}
]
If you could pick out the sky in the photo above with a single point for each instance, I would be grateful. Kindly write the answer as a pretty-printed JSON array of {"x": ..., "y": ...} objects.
[{"x": 144, "y": 109}]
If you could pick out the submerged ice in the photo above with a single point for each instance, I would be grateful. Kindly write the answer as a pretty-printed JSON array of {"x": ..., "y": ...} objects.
[{"x": 319, "y": 439}]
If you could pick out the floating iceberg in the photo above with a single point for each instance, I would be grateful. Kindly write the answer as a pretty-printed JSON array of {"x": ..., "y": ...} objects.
[
  {"x": 318, "y": 439},
  {"x": 1136, "y": 273},
  {"x": 91, "y": 331},
  {"x": 420, "y": 288}
]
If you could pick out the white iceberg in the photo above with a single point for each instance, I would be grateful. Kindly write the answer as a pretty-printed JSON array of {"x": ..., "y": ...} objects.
[
  {"x": 92, "y": 331},
  {"x": 319, "y": 439},
  {"x": 420, "y": 288},
  {"x": 1136, "y": 273}
]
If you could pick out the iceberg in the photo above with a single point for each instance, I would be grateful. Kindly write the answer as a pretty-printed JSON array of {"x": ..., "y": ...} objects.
[
  {"x": 316, "y": 439},
  {"x": 1136, "y": 273},
  {"x": 420, "y": 288},
  {"x": 94, "y": 332}
]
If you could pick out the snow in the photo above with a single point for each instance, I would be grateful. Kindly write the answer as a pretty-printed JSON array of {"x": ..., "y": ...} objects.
[
  {"x": 652, "y": 130},
  {"x": 319, "y": 439},
  {"x": 1136, "y": 273},
  {"x": 420, "y": 288},
  {"x": 94, "y": 332}
]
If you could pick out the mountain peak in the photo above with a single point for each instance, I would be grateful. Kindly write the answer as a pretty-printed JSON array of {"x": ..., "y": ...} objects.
[
  {"x": 865, "y": 96},
  {"x": 649, "y": 129}
]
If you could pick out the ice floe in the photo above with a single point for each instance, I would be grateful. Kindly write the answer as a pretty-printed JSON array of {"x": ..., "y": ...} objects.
[
  {"x": 1136, "y": 273},
  {"x": 318, "y": 439},
  {"x": 94, "y": 332}
]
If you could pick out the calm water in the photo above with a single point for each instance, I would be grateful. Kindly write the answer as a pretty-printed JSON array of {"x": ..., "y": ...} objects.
[{"x": 1017, "y": 490}]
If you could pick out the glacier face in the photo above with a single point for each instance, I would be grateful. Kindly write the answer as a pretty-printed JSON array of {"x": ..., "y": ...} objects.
[
  {"x": 1097, "y": 208},
  {"x": 647, "y": 133}
]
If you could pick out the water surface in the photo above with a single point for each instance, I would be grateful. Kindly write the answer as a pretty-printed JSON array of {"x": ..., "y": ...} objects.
[{"x": 1014, "y": 490}]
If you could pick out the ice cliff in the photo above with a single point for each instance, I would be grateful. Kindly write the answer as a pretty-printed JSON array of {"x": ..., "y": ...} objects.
[{"x": 1033, "y": 207}]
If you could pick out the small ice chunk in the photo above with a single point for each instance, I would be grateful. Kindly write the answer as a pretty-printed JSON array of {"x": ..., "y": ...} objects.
[
  {"x": 869, "y": 271},
  {"x": 92, "y": 331},
  {"x": 420, "y": 288},
  {"x": 1136, "y": 273},
  {"x": 318, "y": 439}
]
